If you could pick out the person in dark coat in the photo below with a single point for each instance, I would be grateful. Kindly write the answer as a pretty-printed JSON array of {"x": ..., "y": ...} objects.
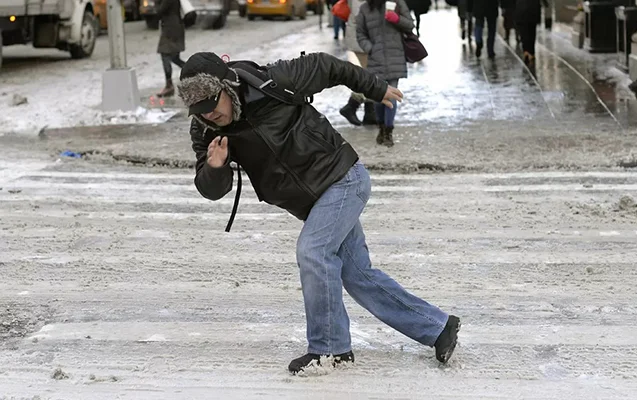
[
  {"x": 296, "y": 160},
  {"x": 485, "y": 10},
  {"x": 508, "y": 14},
  {"x": 465, "y": 13},
  {"x": 419, "y": 7},
  {"x": 380, "y": 34},
  {"x": 528, "y": 15},
  {"x": 172, "y": 40},
  {"x": 358, "y": 57}
]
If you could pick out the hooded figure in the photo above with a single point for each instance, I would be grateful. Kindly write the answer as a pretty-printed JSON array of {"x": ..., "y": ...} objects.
[{"x": 297, "y": 161}]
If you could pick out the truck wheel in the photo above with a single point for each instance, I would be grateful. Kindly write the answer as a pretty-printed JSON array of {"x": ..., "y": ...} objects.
[
  {"x": 220, "y": 22},
  {"x": 243, "y": 11},
  {"x": 86, "y": 46},
  {"x": 152, "y": 23}
]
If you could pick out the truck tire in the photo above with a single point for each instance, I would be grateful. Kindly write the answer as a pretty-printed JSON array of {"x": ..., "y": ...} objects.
[
  {"x": 90, "y": 29},
  {"x": 152, "y": 22}
]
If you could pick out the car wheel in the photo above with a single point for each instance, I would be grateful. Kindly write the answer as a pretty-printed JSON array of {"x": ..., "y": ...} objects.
[{"x": 88, "y": 37}]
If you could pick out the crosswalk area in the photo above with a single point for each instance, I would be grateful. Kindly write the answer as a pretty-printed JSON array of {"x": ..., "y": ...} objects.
[{"x": 124, "y": 279}]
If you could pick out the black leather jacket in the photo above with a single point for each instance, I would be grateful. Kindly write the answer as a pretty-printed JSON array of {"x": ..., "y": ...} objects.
[{"x": 291, "y": 153}]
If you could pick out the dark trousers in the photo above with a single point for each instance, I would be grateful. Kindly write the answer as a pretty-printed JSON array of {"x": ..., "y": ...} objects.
[
  {"x": 508, "y": 16},
  {"x": 167, "y": 59},
  {"x": 527, "y": 31},
  {"x": 491, "y": 23}
]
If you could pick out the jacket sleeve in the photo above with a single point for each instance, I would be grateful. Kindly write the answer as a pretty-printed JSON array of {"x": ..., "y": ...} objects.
[
  {"x": 163, "y": 6},
  {"x": 405, "y": 22},
  {"x": 362, "y": 35},
  {"x": 315, "y": 72},
  {"x": 212, "y": 183}
]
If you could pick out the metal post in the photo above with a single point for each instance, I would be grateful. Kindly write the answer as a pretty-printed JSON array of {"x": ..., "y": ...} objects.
[
  {"x": 119, "y": 83},
  {"x": 116, "y": 34}
]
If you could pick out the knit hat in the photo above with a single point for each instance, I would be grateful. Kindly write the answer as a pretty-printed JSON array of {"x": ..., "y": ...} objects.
[{"x": 202, "y": 79}]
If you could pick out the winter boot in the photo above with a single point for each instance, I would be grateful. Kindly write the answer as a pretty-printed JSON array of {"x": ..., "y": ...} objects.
[
  {"x": 370, "y": 114},
  {"x": 380, "y": 138},
  {"x": 446, "y": 342},
  {"x": 349, "y": 112},
  {"x": 389, "y": 138},
  {"x": 478, "y": 49},
  {"x": 300, "y": 364},
  {"x": 528, "y": 58},
  {"x": 167, "y": 91}
]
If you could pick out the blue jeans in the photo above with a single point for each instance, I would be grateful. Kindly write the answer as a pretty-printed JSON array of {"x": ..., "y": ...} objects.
[
  {"x": 491, "y": 26},
  {"x": 338, "y": 24},
  {"x": 384, "y": 114},
  {"x": 332, "y": 255}
]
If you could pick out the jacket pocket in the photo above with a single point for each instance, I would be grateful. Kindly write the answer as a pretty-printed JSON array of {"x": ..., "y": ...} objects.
[{"x": 319, "y": 139}]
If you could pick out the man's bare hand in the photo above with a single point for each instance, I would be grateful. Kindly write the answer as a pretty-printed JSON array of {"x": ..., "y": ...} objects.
[
  {"x": 392, "y": 94},
  {"x": 218, "y": 152}
]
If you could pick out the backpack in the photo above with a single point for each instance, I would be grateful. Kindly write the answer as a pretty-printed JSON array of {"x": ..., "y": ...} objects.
[{"x": 255, "y": 76}]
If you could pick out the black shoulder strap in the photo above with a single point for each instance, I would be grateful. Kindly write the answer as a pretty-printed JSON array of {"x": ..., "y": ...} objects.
[{"x": 259, "y": 79}]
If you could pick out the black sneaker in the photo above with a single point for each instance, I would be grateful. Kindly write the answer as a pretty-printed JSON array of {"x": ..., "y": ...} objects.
[
  {"x": 299, "y": 364},
  {"x": 446, "y": 342}
]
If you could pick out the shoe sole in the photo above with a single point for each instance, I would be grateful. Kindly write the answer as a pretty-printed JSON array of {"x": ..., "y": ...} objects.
[{"x": 447, "y": 355}]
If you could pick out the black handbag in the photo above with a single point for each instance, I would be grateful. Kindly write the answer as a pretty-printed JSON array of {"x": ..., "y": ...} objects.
[{"x": 414, "y": 50}]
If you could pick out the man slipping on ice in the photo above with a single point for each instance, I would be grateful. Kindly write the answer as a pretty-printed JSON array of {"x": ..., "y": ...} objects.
[{"x": 297, "y": 161}]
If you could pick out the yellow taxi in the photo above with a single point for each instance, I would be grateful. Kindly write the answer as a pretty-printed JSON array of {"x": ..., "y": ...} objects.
[
  {"x": 99, "y": 9},
  {"x": 277, "y": 8}
]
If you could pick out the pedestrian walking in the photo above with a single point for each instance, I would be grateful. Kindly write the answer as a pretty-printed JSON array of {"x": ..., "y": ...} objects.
[
  {"x": 508, "y": 18},
  {"x": 465, "y": 13},
  {"x": 338, "y": 23},
  {"x": 485, "y": 10},
  {"x": 380, "y": 26},
  {"x": 297, "y": 161},
  {"x": 358, "y": 57},
  {"x": 528, "y": 15},
  {"x": 172, "y": 41}
]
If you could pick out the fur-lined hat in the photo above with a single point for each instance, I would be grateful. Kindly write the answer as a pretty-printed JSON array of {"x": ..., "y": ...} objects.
[{"x": 202, "y": 79}]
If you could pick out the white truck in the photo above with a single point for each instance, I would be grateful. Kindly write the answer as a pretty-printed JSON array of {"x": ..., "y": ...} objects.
[{"x": 68, "y": 25}]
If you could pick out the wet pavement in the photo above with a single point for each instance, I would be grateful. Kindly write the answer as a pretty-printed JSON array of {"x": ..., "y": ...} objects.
[{"x": 460, "y": 113}]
